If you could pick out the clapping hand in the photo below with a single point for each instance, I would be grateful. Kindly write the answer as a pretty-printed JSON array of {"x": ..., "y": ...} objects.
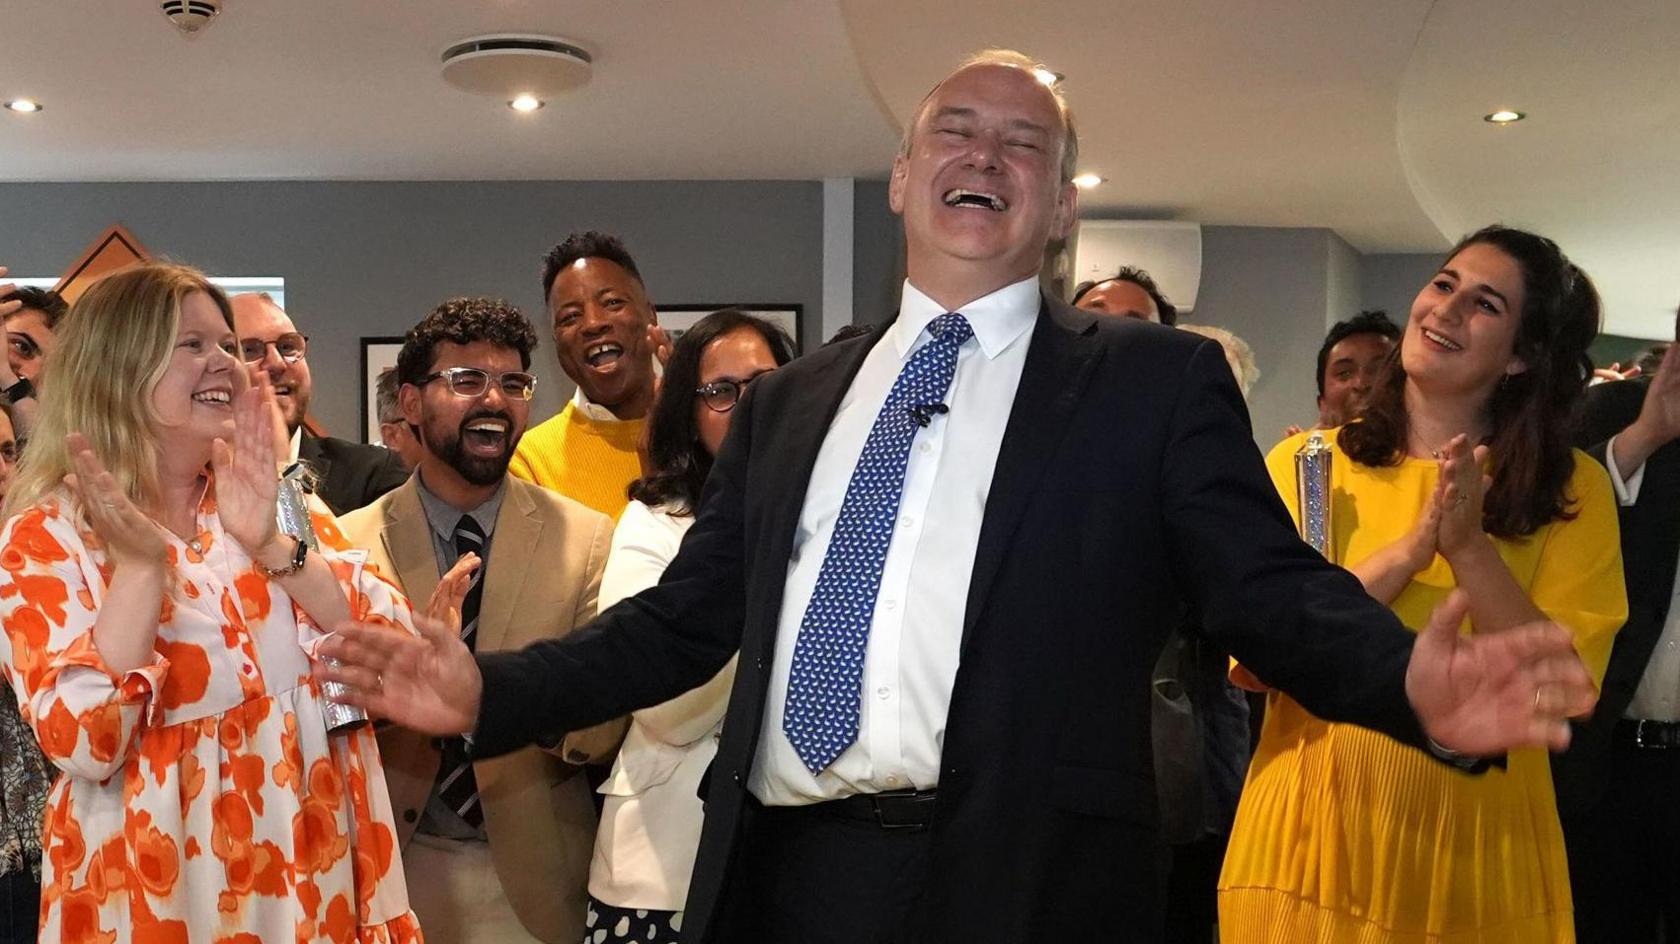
[
  {"x": 131, "y": 539},
  {"x": 7, "y": 288},
  {"x": 247, "y": 486},
  {"x": 428, "y": 683},
  {"x": 1659, "y": 417},
  {"x": 451, "y": 591},
  {"x": 1487, "y": 693},
  {"x": 1458, "y": 501},
  {"x": 660, "y": 340}
]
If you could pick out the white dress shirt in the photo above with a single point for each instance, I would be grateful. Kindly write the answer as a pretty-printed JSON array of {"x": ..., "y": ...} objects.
[
  {"x": 915, "y": 636},
  {"x": 1658, "y": 695}
]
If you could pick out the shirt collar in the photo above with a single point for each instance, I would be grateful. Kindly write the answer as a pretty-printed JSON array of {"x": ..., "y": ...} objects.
[
  {"x": 443, "y": 517},
  {"x": 297, "y": 442},
  {"x": 998, "y": 319},
  {"x": 599, "y": 413},
  {"x": 591, "y": 409}
]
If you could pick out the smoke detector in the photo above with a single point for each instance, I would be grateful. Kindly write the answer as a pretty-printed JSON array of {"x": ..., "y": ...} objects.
[
  {"x": 190, "y": 16},
  {"x": 511, "y": 65}
]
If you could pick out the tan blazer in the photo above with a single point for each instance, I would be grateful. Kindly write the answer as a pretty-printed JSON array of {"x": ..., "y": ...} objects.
[{"x": 546, "y": 556}]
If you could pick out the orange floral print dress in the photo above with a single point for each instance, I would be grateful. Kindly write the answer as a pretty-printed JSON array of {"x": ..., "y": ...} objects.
[{"x": 204, "y": 800}]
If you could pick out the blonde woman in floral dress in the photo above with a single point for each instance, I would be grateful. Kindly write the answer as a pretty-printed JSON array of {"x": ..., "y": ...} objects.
[{"x": 158, "y": 632}]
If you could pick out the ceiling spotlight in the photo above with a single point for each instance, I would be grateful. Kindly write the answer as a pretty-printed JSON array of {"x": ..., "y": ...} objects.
[
  {"x": 1087, "y": 181},
  {"x": 515, "y": 67},
  {"x": 1048, "y": 78},
  {"x": 24, "y": 106},
  {"x": 1504, "y": 116},
  {"x": 526, "y": 103}
]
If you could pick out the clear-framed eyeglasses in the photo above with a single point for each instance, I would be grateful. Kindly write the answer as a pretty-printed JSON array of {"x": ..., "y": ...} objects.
[{"x": 472, "y": 382}]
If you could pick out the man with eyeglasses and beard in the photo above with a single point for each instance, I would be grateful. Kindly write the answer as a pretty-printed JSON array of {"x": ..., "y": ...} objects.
[
  {"x": 495, "y": 850},
  {"x": 350, "y": 474}
]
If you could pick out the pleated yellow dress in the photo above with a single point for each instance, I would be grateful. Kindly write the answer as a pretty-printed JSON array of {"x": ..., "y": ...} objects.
[{"x": 1346, "y": 835}]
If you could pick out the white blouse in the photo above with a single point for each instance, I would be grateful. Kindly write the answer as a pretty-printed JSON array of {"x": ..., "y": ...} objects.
[{"x": 650, "y": 823}]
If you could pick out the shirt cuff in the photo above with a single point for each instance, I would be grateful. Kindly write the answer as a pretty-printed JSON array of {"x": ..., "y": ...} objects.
[{"x": 1627, "y": 492}]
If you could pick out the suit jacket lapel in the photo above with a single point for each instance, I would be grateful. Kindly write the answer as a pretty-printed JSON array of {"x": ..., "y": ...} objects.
[
  {"x": 1052, "y": 381},
  {"x": 517, "y": 541},
  {"x": 407, "y": 539},
  {"x": 816, "y": 399},
  {"x": 309, "y": 450}
]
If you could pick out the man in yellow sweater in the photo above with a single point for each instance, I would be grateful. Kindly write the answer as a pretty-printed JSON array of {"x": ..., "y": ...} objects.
[{"x": 601, "y": 315}]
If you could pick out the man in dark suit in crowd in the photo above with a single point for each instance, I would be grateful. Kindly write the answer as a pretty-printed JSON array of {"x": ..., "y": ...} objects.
[
  {"x": 949, "y": 553},
  {"x": 1618, "y": 785},
  {"x": 351, "y": 474}
]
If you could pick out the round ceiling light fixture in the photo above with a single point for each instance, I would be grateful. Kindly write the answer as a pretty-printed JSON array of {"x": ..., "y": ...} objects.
[
  {"x": 517, "y": 67},
  {"x": 23, "y": 106},
  {"x": 525, "y": 104},
  {"x": 1087, "y": 181},
  {"x": 1503, "y": 116}
]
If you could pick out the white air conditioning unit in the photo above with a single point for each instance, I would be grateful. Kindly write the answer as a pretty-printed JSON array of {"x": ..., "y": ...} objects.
[{"x": 1171, "y": 252}]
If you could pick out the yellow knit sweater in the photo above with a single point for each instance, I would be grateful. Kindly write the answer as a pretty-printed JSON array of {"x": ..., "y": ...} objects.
[{"x": 584, "y": 459}]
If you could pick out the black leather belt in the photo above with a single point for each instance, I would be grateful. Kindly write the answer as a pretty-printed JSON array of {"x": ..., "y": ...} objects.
[
  {"x": 1651, "y": 735},
  {"x": 899, "y": 809}
]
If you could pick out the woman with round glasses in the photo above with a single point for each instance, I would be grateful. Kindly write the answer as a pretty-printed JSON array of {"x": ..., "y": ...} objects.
[{"x": 650, "y": 825}]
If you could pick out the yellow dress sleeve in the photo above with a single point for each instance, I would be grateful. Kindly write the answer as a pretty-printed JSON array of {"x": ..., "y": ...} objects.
[
  {"x": 1280, "y": 462},
  {"x": 1578, "y": 581}
]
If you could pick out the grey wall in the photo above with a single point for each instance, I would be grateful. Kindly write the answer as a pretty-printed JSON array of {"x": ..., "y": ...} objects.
[
  {"x": 877, "y": 254},
  {"x": 1343, "y": 280},
  {"x": 366, "y": 259},
  {"x": 1271, "y": 286},
  {"x": 1390, "y": 281}
]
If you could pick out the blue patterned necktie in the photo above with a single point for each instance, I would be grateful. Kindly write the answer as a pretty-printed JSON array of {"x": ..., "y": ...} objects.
[{"x": 824, "y": 687}]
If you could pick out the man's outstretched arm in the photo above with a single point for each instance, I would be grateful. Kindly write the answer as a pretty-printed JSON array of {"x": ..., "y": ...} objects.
[{"x": 644, "y": 651}]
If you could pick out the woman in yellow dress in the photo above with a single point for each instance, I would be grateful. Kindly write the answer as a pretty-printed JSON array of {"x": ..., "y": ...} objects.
[{"x": 1457, "y": 475}]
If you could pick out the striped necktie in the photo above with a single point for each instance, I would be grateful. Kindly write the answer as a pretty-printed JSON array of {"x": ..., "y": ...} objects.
[{"x": 457, "y": 787}]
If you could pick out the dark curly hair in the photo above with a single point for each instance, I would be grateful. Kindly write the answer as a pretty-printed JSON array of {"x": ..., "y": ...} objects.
[
  {"x": 1530, "y": 413},
  {"x": 1373, "y": 321},
  {"x": 680, "y": 462},
  {"x": 588, "y": 245},
  {"x": 49, "y": 303},
  {"x": 1140, "y": 278},
  {"x": 463, "y": 321}
]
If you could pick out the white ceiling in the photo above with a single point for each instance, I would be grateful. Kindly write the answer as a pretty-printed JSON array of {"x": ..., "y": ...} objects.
[{"x": 1358, "y": 115}]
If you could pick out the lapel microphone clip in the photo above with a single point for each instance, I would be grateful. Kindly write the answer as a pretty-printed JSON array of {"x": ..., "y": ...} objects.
[{"x": 923, "y": 414}]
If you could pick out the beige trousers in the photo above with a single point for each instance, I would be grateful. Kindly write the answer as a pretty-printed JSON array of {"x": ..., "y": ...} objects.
[{"x": 453, "y": 889}]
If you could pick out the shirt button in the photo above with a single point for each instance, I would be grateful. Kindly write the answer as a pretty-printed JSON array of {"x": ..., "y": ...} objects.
[
  {"x": 924, "y": 448},
  {"x": 884, "y": 692},
  {"x": 889, "y": 604},
  {"x": 907, "y": 522},
  {"x": 892, "y": 781}
]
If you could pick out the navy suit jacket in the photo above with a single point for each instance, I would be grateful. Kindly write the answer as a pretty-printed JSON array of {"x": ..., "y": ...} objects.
[{"x": 1127, "y": 486}]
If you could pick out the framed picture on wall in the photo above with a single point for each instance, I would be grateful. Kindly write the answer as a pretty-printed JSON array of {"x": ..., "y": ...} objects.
[
  {"x": 676, "y": 319},
  {"x": 378, "y": 355}
]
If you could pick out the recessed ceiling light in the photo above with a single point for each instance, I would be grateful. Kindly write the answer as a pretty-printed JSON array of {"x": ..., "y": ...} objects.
[
  {"x": 525, "y": 103},
  {"x": 1503, "y": 116},
  {"x": 24, "y": 106},
  {"x": 1087, "y": 181},
  {"x": 1051, "y": 79}
]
